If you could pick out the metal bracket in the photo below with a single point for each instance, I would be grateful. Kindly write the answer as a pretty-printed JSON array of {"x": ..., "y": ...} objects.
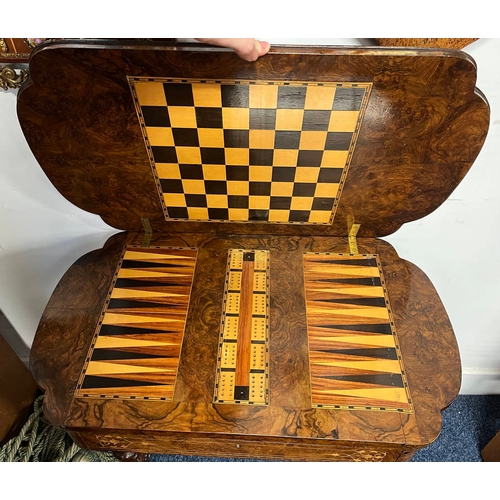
[
  {"x": 148, "y": 232},
  {"x": 352, "y": 231}
]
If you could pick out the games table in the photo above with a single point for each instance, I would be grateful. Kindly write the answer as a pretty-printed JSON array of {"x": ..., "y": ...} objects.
[{"x": 249, "y": 307}]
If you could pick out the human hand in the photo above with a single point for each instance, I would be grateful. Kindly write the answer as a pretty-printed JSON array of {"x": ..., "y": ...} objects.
[{"x": 248, "y": 49}]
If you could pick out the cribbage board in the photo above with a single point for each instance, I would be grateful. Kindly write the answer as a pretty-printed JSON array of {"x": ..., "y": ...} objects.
[
  {"x": 245, "y": 151},
  {"x": 237, "y": 313}
]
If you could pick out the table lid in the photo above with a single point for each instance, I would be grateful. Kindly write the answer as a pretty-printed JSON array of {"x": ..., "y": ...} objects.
[{"x": 304, "y": 141}]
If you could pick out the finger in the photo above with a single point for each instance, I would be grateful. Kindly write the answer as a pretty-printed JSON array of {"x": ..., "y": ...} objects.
[{"x": 248, "y": 49}]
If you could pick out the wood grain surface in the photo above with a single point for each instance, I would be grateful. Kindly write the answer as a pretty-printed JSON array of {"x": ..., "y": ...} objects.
[
  {"x": 408, "y": 158},
  {"x": 427, "y": 343},
  {"x": 443, "y": 43}
]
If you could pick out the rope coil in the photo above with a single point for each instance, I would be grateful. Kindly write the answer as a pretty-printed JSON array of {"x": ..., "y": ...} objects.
[{"x": 39, "y": 441}]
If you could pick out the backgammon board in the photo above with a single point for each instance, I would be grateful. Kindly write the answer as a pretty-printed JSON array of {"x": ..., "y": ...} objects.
[{"x": 248, "y": 308}]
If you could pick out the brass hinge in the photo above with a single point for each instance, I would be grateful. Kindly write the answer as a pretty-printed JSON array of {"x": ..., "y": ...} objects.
[
  {"x": 352, "y": 231},
  {"x": 148, "y": 232}
]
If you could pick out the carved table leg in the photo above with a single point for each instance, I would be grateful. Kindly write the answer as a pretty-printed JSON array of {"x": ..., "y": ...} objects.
[{"x": 130, "y": 456}]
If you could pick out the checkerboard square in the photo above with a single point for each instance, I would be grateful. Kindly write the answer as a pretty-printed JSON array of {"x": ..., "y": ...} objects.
[
  {"x": 216, "y": 201},
  {"x": 160, "y": 136},
  {"x": 338, "y": 141},
  {"x": 309, "y": 158},
  {"x": 234, "y": 96},
  {"x": 332, "y": 175},
  {"x": 289, "y": 119},
  {"x": 150, "y": 93},
  {"x": 304, "y": 189},
  {"x": 259, "y": 188},
  {"x": 185, "y": 137},
  {"x": 343, "y": 121},
  {"x": 199, "y": 213},
  {"x": 174, "y": 200},
  {"x": 182, "y": 117},
  {"x": 213, "y": 156},
  {"x": 207, "y": 95},
  {"x": 280, "y": 202},
  {"x": 316, "y": 120},
  {"x": 193, "y": 186},
  {"x": 323, "y": 204},
  {"x": 178, "y": 94},
  {"x": 218, "y": 213},
  {"x": 188, "y": 155},
  {"x": 260, "y": 173},
  {"x": 285, "y": 157},
  {"x": 329, "y": 190},
  {"x": 237, "y": 188},
  {"x": 301, "y": 203},
  {"x": 168, "y": 170},
  {"x": 291, "y": 96},
  {"x": 312, "y": 140},
  {"x": 177, "y": 212},
  {"x": 236, "y": 156},
  {"x": 209, "y": 117},
  {"x": 235, "y": 118},
  {"x": 215, "y": 187},
  {"x": 214, "y": 172},
  {"x": 264, "y": 119},
  {"x": 307, "y": 174},
  {"x": 196, "y": 200},
  {"x": 164, "y": 154},
  {"x": 281, "y": 189},
  {"x": 238, "y": 214},
  {"x": 236, "y": 138},
  {"x": 348, "y": 99},
  {"x": 283, "y": 174},
  {"x": 258, "y": 203},
  {"x": 299, "y": 216},
  {"x": 334, "y": 159},
  {"x": 156, "y": 116},
  {"x": 261, "y": 139},
  {"x": 287, "y": 139},
  {"x": 236, "y": 173},
  {"x": 278, "y": 215},
  {"x": 191, "y": 171},
  {"x": 211, "y": 137},
  {"x": 237, "y": 201},
  {"x": 171, "y": 185},
  {"x": 263, "y": 96},
  {"x": 258, "y": 215},
  {"x": 320, "y": 97},
  {"x": 320, "y": 216},
  {"x": 261, "y": 157}
]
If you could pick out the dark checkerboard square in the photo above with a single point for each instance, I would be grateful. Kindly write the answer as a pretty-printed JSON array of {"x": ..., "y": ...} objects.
[
  {"x": 304, "y": 189},
  {"x": 155, "y": 116},
  {"x": 330, "y": 175},
  {"x": 191, "y": 171},
  {"x": 258, "y": 215},
  {"x": 323, "y": 204},
  {"x": 299, "y": 215},
  {"x": 237, "y": 173},
  {"x": 164, "y": 154},
  {"x": 262, "y": 119},
  {"x": 208, "y": 117},
  {"x": 286, "y": 140},
  {"x": 215, "y": 187},
  {"x": 348, "y": 99},
  {"x": 316, "y": 120},
  {"x": 218, "y": 213},
  {"x": 171, "y": 185},
  {"x": 177, "y": 212},
  {"x": 185, "y": 137},
  {"x": 263, "y": 157},
  {"x": 234, "y": 96},
  {"x": 309, "y": 158},
  {"x": 212, "y": 156},
  {"x": 237, "y": 201},
  {"x": 283, "y": 174},
  {"x": 338, "y": 141},
  {"x": 280, "y": 202},
  {"x": 178, "y": 94},
  {"x": 259, "y": 188},
  {"x": 291, "y": 97},
  {"x": 236, "y": 138},
  {"x": 196, "y": 200}
]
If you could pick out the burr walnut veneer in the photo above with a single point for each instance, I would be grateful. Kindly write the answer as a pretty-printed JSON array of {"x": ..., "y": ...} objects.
[{"x": 238, "y": 313}]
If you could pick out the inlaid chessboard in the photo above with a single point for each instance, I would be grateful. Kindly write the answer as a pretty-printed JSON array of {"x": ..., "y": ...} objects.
[{"x": 243, "y": 151}]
